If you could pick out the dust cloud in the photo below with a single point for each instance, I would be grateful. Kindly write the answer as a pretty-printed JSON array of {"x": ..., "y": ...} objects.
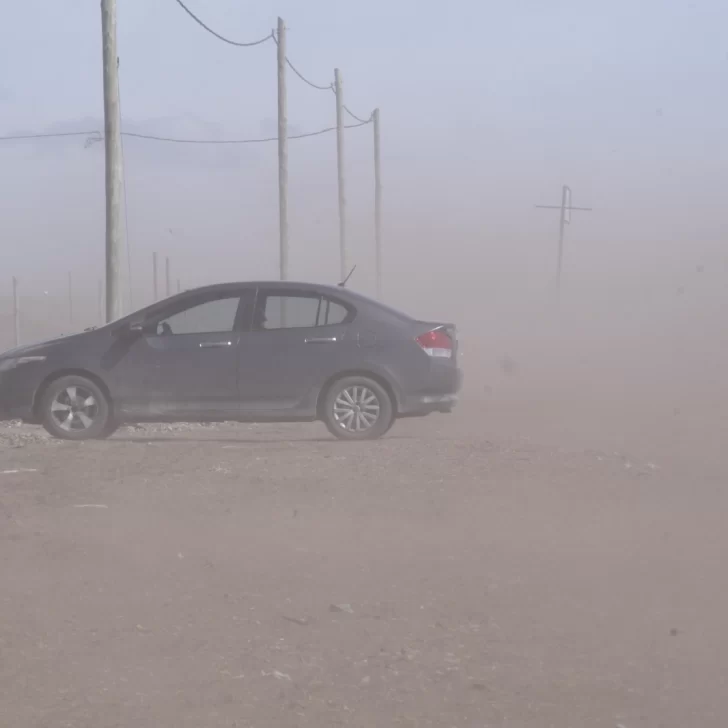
[
  {"x": 634, "y": 358},
  {"x": 551, "y": 554}
]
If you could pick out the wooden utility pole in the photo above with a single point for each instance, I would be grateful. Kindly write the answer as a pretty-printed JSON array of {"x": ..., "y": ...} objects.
[
  {"x": 167, "y": 278},
  {"x": 565, "y": 193},
  {"x": 340, "y": 166},
  {"x": 70, "y": 298},
  {"x": 16, "y": 311},
  {"x": 112, "y": 141},
  {"x": 377, "y": 203},
  {"x": 282, "y": 152},
  {"x": 565, "y": 209},
  {"x": 155, "y": 277}
]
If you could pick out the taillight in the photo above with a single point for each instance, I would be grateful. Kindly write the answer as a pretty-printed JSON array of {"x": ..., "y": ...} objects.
[{"x": 436, "y": 343}]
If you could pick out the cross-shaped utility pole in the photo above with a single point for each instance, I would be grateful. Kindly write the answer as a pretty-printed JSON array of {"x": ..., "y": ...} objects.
[{"x": 565, "y": 207}]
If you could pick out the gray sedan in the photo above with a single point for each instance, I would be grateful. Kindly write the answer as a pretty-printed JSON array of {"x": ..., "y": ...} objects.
[{"x": 248, "y": 352}]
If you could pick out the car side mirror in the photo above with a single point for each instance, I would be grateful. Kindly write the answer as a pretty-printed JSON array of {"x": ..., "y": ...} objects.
[{"x": 135, "y": 328}]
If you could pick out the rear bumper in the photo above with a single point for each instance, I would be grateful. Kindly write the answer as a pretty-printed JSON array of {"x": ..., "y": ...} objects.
[
  {"x": 427, "y": 404},
  {"x": 441, "y": 396}
]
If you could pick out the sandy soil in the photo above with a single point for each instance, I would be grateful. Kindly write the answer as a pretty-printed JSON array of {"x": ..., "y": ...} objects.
[{"x": 482, "y": 569}]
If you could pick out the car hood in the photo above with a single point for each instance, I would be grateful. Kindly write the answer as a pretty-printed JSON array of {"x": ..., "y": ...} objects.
[{"x": 40, "y": 348}]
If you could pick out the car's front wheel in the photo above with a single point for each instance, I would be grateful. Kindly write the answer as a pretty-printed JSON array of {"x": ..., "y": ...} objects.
[
  {"x": 75, "y": 408},
  {"x": 111, "y": 428},
  {"x": 358, "y": 408}
]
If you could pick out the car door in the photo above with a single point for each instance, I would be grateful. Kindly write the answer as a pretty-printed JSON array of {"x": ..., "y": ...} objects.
[
  {"x": 298, "y": 339},
  {"x": 184, "y": 364}
]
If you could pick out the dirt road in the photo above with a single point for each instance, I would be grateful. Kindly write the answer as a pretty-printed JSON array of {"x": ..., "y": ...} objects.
[{"x": 445, "y": 576}]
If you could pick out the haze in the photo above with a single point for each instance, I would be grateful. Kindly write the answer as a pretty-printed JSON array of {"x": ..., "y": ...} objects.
[
  {"x": 485, "y": 113},
  {"x": 487, "y": 110}
]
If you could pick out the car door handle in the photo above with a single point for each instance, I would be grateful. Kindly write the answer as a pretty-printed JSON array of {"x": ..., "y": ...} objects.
[
  {"x": 215, "y": 344},
  {"x": 322, "y": 340}
]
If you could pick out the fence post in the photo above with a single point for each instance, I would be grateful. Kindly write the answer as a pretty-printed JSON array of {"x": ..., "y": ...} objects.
[{"x": 16, "y": 312}]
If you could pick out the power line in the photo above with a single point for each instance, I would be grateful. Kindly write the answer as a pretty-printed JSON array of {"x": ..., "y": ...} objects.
[
  {"x": 222, "y": 37},
  {"x": 50, "y": 136},
  {"x": 305, "y": 80},
  {"x": 97, "y": 136},
  {"x": 352, "y": 114},
  {"x": 175, "y": 140},
  {"x": 357, "y": 118},
  {"x": 300, "y": 75}
]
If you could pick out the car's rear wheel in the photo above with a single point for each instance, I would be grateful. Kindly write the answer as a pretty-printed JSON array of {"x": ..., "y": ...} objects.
[
  {"x": 75, "y": 408},
  {"x": 358, "y": 408}
]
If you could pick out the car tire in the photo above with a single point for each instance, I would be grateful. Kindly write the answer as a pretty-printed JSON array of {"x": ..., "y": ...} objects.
[
  {"x": 110, "y": 429},
  {"x": 358, "y": 408},
  {"x": 75, "y": 408}
]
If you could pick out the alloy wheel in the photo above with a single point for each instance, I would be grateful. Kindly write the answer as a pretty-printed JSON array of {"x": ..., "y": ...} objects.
[
  {"x": 74, "y": 409},
  {"x": 356, "y": 409}
]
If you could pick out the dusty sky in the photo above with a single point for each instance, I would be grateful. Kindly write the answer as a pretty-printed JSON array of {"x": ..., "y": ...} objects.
[{"x": 486, "y": 110}]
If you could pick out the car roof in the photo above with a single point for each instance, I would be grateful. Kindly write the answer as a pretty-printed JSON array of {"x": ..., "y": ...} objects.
[
  {"x": 283, "y": 285},
  {"x": 352, "y": 297}
]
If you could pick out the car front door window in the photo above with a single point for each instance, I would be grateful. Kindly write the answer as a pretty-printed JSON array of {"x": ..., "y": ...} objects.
[{"x": 215, "y": 316}]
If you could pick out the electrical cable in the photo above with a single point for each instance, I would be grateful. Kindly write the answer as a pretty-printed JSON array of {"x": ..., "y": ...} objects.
[
  {"x": 50, "y": 135},
  {"x": 351, "y": 113},
  {"x": 305, "y": 80},
  {"x": 300, "y": 75},
  {"x": 222, "y": 37},
  {"x": 176, "y": 140},
  {"x": 357, "y": 118}
]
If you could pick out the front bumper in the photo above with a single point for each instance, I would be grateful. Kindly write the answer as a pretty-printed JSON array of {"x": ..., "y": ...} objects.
[
  {"x": 16, "y": 399},
  {"x": 4, "y": 413}
]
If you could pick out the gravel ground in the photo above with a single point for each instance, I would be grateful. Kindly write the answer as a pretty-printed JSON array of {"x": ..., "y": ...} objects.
[{"x": 452, "y": 574}]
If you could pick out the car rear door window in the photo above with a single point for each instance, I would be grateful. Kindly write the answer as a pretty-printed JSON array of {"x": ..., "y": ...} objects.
[{"x": 292, "y": 311}]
